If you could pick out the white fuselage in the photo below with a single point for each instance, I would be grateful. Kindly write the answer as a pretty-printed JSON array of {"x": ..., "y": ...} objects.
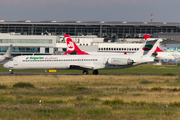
[
  {"x": 165, "y": 55},
  {"x": 93, "y": 62},
  {"x": 171, "y": 58},
  {"x": 168, "y": 56},
  {"x": 108, "y": 53}
]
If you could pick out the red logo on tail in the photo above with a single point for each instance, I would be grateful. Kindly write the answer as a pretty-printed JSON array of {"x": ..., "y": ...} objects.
[{"x": 72, "y": 47}]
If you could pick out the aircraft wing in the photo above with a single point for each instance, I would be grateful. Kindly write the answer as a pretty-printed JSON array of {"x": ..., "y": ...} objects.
[{"x": 81, "y": 67}]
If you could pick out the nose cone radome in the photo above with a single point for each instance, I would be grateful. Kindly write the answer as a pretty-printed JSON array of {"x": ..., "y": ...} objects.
[{"x": 5, "y": 65}]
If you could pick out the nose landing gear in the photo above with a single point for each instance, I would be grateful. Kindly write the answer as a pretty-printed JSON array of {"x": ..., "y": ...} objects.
[{"x": 11, "y": 71}]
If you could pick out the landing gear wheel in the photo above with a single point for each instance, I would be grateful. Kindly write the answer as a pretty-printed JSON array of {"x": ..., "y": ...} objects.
[
  {"x": 95, "y": 72},
  {"x": 85, "y": 72},
  {"x": 11, "y": 71}
]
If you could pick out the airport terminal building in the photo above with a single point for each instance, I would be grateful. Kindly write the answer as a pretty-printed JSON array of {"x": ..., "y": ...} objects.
[
  {"x": 46, "y": 37},
  {"x": 109, "y": 30}
]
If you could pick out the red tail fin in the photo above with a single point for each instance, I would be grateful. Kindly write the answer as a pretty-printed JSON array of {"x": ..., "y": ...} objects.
[
  {"x": 146, "y": 37},
  {"x": 72, "y": 47},
  {"x": 158, "y": 50}
]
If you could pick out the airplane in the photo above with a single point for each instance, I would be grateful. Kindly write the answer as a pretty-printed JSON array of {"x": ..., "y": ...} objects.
[
  {"x": 7, "y": 55},
  {"x": 168, "y": 57},
  {"x": 73, "y": 49},
  {"x": 85, "y": 62}
]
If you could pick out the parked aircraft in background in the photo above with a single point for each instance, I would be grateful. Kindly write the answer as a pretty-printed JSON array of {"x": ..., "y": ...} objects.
[
  {"x": 7, "y": 55},
  {"x": 166, "y": 57},
  {"x": 73, "y": 49},
  {"x": 85, "y": 62}
]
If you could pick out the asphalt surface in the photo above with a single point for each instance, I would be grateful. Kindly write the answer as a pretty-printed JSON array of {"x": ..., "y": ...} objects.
[
  {"x": 22, "y": 74},
  {"x": 30, "y": 74}
]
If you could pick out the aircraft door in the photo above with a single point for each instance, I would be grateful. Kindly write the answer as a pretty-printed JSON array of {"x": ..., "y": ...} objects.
[{"x": 16, "y": 61}]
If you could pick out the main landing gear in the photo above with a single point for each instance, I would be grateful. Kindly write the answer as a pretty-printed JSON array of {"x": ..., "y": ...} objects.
[
  {"x": 85, "y": 72},
  {"x": 11, "y": 71},
  {"x": 95, "y": 72}
]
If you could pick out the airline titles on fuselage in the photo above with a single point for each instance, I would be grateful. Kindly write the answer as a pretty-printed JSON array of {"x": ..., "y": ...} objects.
[{"x": 39, "y": 58}]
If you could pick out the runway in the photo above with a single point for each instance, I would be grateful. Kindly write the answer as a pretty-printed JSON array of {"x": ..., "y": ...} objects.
[{"x": 31, "y": 74}]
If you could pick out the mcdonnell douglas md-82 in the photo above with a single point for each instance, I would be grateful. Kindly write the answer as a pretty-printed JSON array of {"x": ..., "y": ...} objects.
[{"x": 85, "y": 62}]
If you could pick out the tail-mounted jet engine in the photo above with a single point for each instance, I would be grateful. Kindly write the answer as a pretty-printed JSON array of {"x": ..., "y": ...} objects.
[{"x": 120, "y": 61}]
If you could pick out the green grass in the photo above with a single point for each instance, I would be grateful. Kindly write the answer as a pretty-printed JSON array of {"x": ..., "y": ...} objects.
[
  {"x": 141, "y": 69},
  {"x": 23, "y": 85},
  {"x": 90, "y": 97},
  {"x": 145, "y": 69}
]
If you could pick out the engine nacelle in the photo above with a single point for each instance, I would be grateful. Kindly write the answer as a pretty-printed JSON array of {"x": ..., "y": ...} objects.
[{"x": 120, "y": 61}]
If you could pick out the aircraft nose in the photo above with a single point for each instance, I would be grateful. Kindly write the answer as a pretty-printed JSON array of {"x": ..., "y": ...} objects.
[{"x": 5, "y": 65}]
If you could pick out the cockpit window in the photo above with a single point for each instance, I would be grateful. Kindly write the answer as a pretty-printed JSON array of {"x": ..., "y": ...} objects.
[{"x": 11, "y": 60}]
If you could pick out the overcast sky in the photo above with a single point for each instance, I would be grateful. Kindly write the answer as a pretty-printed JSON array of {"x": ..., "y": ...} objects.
[{"x": 90, "y": 10}]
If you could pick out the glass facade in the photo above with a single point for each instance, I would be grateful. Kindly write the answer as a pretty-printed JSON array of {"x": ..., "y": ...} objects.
[
  {"x": 3, "y": 49},
  {"x": 46, "y": 50},
  {"x": 22, "y": 49},
  {"x": 64, "y": 49},
  {"x": 26, "y": 41},
  {"x": 106, "y": 30}
]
